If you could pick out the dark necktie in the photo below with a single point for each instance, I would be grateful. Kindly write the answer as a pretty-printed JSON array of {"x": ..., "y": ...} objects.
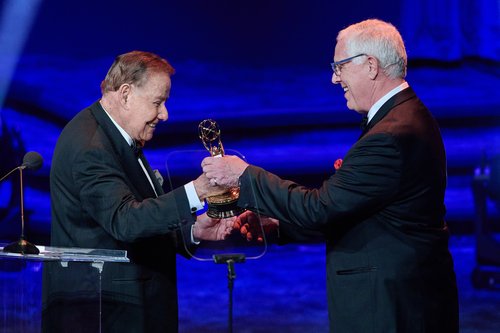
[
  {"x": 136, "y": 148},
  {"x": 364, "y": 123}
]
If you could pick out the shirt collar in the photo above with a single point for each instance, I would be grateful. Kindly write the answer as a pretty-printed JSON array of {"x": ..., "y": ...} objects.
[
  {"x": 375, "y": 107},
  {"x": 125, "y": 135}
]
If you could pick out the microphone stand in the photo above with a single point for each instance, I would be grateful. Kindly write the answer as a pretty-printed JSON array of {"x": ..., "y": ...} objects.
[
  {"x": 230, "y": 259},
  {"x": 22, "y": 245}
]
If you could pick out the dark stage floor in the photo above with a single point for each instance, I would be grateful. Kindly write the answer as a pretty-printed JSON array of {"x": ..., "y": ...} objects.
[{"x": 284, "y": 291}]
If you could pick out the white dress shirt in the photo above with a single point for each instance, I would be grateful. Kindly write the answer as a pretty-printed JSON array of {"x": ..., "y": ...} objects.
[
  {"x": 375, "y": 107},
  {"x": 194, "y": 201}
]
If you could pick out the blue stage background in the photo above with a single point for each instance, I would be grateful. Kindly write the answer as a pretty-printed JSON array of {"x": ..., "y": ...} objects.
[{"x": 261, "y": 69}]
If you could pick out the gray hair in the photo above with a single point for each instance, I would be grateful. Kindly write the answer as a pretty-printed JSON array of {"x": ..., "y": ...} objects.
[
  {"x": 379, "y": 39},
  {"x": 133, "y": 68}
]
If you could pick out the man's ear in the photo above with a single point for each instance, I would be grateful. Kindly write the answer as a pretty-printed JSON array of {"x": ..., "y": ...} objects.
[
  {"x": 373, "y": 67},
  {"x": 124, "y": 93}
]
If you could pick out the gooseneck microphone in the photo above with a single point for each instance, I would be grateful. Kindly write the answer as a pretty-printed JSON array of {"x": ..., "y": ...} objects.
[{"x": 31, "y": 161}]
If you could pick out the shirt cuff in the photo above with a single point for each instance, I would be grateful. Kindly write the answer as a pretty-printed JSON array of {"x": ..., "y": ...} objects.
[{"x": 194, "y": 201}]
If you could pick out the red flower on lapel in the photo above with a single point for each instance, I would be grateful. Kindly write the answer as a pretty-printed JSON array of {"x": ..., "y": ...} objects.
[{"x": 337, "y": 164}]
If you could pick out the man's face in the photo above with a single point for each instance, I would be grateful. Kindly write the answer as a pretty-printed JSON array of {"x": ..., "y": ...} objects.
[
  {"x": 146, "y": 106},
  {"x": 354, "y": 80}
]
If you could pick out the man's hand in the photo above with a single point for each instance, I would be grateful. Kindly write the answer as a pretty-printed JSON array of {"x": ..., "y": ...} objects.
[
  {"x": 251, "y": 225},
  {"x": 204, "y": 189},
  {"x": 223, "y": 171},
  {"x": 207, "y": 228}
]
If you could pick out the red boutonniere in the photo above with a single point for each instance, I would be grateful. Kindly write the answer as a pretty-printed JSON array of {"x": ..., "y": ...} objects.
[{"x": 337, "y": 164}]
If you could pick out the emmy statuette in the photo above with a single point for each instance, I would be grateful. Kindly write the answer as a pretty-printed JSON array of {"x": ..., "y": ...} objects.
[{"x": 222, "y": 205}]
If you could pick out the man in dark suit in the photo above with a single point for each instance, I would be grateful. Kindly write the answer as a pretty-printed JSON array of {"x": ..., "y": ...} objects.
[
  {"x": 382, "y": 212},
  {"x": 105, "y": 195}
]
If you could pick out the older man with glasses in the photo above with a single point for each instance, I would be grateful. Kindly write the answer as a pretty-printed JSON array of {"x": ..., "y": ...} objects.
[{"x": 382, "y": 212}]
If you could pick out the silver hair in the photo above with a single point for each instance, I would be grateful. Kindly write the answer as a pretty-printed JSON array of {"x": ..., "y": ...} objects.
[
  {"x": 134, "y": 67},
  {"x": 379, "y": 39}
]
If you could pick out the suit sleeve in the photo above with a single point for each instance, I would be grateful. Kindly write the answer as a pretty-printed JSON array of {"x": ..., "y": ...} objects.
[
  {"x": 106, "y": 195},
  {"x": 368, "y": 179}
]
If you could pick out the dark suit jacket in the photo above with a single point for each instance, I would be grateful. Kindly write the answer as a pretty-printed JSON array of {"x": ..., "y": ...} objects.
[
  {"x": 382, "y": 213},
  {"x": 101, "y": 198}
]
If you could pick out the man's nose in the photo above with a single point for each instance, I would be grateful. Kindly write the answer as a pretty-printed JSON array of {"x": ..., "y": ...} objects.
[
  {"x": 163, "y": 115},
  {"x": 335, "y": 78}
]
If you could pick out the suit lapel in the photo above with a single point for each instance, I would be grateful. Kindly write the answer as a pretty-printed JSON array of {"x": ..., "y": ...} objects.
[
  {"x": 125, "y": 154},
  {"x": 395, "y": 100},
  {"x": 158, "y": 188}
]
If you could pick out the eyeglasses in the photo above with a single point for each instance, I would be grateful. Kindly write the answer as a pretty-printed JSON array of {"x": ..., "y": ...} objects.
[{"x": 337, "y": 65}]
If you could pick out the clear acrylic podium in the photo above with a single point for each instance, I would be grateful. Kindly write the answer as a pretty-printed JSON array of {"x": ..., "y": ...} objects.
[{"x": 29, "y": 283}]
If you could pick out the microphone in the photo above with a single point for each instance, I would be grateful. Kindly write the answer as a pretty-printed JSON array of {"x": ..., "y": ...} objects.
[{"x": 32, "y": 161}]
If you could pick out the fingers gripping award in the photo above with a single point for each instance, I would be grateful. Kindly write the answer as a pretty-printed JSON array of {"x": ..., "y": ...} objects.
[{"x": 222, "y": 205}]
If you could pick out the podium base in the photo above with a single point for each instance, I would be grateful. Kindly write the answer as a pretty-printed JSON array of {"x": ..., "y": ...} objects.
[{"x": 22, "y": 246}]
